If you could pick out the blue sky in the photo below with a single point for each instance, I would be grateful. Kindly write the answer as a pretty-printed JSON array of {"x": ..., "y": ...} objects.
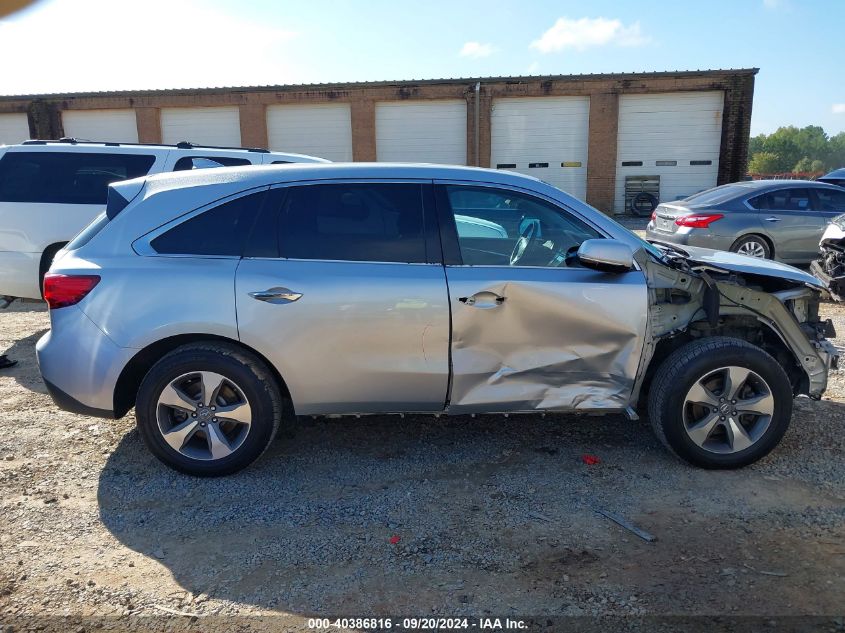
[{"x": 105, "y": 45}]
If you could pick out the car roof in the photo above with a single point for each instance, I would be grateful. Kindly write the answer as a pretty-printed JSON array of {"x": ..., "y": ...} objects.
[
  {"x": 836, "y": 173},
  {"x": 263, "y": 175},
  {"x": 759, "y": 185}
]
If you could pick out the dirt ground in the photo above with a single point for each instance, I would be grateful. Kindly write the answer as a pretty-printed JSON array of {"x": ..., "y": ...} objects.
[{"x": 494, "y": 516}]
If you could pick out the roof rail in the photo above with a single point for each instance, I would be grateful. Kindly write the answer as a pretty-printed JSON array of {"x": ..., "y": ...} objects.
[{"x": 180, "y": 145}]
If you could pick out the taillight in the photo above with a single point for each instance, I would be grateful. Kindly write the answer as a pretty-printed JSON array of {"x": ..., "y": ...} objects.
[
  {"x": 61, "y": 291},
  {"x": 654, "y": 215},
  {"x": 698, "y": 220}
]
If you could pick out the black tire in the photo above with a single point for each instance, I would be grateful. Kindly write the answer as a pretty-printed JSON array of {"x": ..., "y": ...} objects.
[
  {"x": 694, "y": 361},
  {"x": 753, "y": 240},
  {"x": 250, "y": 374},
  {"x": 643, "y": 204}
]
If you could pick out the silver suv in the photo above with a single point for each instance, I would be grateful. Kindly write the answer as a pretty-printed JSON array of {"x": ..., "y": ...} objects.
[{"x": 221, "y": 303}]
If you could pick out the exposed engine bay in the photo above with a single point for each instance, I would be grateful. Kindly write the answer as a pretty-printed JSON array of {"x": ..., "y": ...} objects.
[{"x": 696, "y": 293}]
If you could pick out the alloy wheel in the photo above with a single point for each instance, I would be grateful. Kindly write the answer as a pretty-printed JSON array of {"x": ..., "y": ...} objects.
[
  {"x": 728, "y": 410},
  {"x": 752, "y": 249},
  {"x": 203, "y": 415}
]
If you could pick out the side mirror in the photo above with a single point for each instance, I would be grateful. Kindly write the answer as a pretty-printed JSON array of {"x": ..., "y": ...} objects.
[{"x": 610, "y": 256}]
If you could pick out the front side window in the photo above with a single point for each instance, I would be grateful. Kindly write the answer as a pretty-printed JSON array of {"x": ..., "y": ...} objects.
[
  {"x": 830, "y": 200},
  {"x": 377, "y": 222},
  {"x": 782, "y": 200},
  {"x": 220, "y": 231},
  {"x": 498, "y": 227},
  {"x": 66, "y": 177}
]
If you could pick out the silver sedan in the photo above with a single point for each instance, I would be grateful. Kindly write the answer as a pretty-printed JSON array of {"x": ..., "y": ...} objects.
[{"x": 772, "y": 219}]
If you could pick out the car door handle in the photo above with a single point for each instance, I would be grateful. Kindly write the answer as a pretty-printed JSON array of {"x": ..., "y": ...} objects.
[
  {"x": 772, "y": 219},
  {"x": 483, "y": 300},
  {"x": 276, "y": 295}
]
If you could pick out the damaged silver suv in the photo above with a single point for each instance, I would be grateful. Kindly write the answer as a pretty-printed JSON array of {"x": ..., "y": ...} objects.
[{"x": 221, "y": 303}]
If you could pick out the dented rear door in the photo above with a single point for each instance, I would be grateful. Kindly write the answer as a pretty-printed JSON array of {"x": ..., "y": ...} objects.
[{"x": 540, "y": 332}]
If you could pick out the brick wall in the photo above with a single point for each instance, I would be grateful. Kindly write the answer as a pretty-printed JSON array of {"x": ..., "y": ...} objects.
[{"x": 604, "y": 90}]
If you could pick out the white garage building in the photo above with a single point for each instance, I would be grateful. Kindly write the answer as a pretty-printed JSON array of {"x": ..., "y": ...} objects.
[{"x": 602, "y": 138}]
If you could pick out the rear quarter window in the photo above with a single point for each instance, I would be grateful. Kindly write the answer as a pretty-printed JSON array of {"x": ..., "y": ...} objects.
[
  {"x": 66, "y": 177},
  {"x": 219, "y": 231}
]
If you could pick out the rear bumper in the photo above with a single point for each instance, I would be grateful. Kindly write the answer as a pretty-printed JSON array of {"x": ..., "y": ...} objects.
[
  {"x": 19, "y": 274},
  {"x": 80, "y": 364},
  {"x": 68, "y": 403},
  {"x": 686, "y": 236}
]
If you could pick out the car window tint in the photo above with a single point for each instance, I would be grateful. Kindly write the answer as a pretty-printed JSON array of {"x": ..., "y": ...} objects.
[
  {"x": 221, "y": 230},
  {"x": 202, "y": 162},
  {"x": 830, "y": 200},
  {"x": 782, "y": 200},
  {"x": 718, "y": 194},
  {"x": 66, "y": 177},
  {"x": 491, "y": 221},
  {"x": 380, "y": 222}
]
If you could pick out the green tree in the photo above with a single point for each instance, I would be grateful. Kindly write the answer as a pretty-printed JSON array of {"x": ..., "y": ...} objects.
[
  {"x": 764, "y": 163},
  {"x": 803, "y": 165},
  {"x": 817, "y": 165},
  {"x": 836, "y": 151}
]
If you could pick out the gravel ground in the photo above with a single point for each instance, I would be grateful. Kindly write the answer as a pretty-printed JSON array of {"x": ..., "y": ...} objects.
[{"x": 416, "y": 516}]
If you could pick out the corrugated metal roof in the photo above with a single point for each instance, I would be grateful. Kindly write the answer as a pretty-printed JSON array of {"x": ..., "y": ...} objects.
[{"x": 376, "y": 84}]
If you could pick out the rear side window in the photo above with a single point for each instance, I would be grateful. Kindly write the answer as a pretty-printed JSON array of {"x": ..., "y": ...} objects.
[
  {"x": 66, "y": 177},
  {"x": 782, "y": 200},
  {"x": 202, "y": 162},
  {"x": 220, "y": 231},
  {"x": 380, "y": 222}
]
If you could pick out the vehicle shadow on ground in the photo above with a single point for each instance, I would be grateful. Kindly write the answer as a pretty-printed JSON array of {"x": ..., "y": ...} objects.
[
  {"x": 26, "y": 372},
  {"x": 492, "y": 514}
]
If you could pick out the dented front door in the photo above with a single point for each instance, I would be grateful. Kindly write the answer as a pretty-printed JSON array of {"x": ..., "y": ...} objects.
[{"x": 541, "y": 333}]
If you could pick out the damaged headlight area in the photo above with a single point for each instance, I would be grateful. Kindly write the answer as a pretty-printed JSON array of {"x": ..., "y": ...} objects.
[
  {"x": 695, "y": 298},
  {"x": 830, "y": 267}
]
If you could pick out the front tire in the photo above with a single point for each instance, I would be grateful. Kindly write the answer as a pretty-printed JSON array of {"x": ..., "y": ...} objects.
[
  {"x": 720, "y": 403},
  {"x": 208, "y": 409}
]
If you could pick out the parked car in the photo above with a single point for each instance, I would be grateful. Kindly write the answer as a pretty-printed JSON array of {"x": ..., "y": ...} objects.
[
  {"x": 771, "y": 219},
  {"x": 830, "y": 266},
  {"x": 221, "y": 303},
  {"x": 50, "y": 190},
  {"x": 836, "y": 177}
]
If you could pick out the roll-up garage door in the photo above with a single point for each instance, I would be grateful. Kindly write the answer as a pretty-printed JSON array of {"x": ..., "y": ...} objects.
[
  {"x": 676, "y": 136},
  {"x": 116, "y": 126},
  {"x": 319, "y": 130},
  {"x": 422, "y": 131},
  {"x": 544, "y": 137},
  {"x": 203, "y": 126},
  {"x": 14, "y": 128}
]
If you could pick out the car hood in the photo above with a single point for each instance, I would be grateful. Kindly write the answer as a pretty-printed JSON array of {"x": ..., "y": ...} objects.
[{"x": 734, "y": 262}]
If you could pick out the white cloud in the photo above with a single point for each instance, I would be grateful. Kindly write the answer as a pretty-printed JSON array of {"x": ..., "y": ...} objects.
[
  {"x": 585, "y": 33},
  {"x": 533, "y": 68},
  {"x": 477, "y": 50},
  {"x": 90, "y": 45},
  {"x": 838, "y": 108}
]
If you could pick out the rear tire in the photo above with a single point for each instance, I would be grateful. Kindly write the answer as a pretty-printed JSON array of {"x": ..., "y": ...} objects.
[
  {"x": 753, "y": 246},
  {"x": 208, "y": 409},
  {"x": 720, "y": 403}
]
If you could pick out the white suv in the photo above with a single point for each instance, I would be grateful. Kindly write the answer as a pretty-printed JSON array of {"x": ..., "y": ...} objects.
[{"x": 50, "y": 190}]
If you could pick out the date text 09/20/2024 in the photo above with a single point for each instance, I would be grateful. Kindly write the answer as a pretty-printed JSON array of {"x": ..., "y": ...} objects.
[{"x": 418, "y": 624}]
